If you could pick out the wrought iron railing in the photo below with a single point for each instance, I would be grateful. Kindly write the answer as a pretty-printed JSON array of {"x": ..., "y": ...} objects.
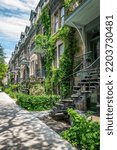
[
  {"x": 95, "y": 66},
  {"x": 72, "y": 6},
  {"x": 82, "y": 61}
]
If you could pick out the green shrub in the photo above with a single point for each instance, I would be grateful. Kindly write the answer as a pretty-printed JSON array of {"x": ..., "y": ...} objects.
[
  {"x": 15, "y": 87},
  {"x": 37, "y": 89},
  {"x": 36, "y": 103},
  {"x": 0, "y": 87},
  {"x": 10, "y": 92},
  {"x": 83, "y": 134}
]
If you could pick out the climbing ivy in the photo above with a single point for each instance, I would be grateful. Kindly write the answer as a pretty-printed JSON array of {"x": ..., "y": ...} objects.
[
  {"x": 57, "y": 76},
  {"x": 41, "y": 43},
  {"x": 70, "y": 5},
  {"x": 45, "y": 19}
]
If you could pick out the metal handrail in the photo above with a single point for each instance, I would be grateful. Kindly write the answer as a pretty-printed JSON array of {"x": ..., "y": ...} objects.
[
  {"x": 81, "y": 56},
  {"x": 78, "y": 66},
  {"x": 84, "y": 54},
  {"x": 93, "y": 63},
  {"x": 83, "y": 70},
  {"x": 80, "y": 71}
]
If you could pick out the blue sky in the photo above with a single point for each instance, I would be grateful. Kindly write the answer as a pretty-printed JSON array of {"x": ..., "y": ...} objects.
[{"x": 14, "y": 16}]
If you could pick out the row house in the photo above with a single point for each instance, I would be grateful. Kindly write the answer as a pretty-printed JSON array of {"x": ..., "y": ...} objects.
[
  {"x": 83, "y": 16},
  {"x": 86, "y": 20},
  {"x": 25, "y": 63}
]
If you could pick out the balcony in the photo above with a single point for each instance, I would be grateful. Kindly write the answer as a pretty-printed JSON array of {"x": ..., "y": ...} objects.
[
  {"x": 73, "y": 5},
  {"x": 17, "y": 68},
  {"x": 24, "y": 60},
  {"x": 83, "y": 12}
]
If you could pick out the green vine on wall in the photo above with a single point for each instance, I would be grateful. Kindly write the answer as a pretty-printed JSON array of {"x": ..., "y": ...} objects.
[
  {"x": 56, "y": 76},
  {"x": 45, "y": 18},
  {"x": 70, "y": 5},
  {"x": 41, "y": 43}
]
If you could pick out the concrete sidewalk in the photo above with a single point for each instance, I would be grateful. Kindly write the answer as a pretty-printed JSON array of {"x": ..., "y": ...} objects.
[{"x": 21, "y": 130}]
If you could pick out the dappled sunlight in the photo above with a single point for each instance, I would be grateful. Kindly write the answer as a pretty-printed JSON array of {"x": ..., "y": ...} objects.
[{"x": 21, "y": 130}]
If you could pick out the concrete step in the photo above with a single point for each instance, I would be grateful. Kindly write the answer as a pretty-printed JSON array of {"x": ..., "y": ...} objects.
[
  {"x": 59, "y": 110},
  {"x": 89, "y": 83},
  {"x": 92, "y": 76},
  {"x": 60, "y": 116},
  {"x": 59, "y": 104},
  {"x": 56, "y": 109},
  {"x": 91, "y": 87},
  {"x": 94, "y": 72},
  {"x": 66, "y": 101},
  {"x": 76, "y": 87},
  {"x": 74, "y": 95},
  {"x": 75, "y": 91},
  {"x": 84, "y": 92},
  {"x": 90, "y": 79}
]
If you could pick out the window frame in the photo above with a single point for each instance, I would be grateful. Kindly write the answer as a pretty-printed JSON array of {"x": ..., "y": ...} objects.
[
  {"x": 58, "y": 19},
  {"x": 62, "y": 16},
  {"x": 57, "y": 54},
  {"x": 56, "y": 24}
]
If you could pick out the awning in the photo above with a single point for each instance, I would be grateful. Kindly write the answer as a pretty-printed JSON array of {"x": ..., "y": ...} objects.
[{"x": 85, "y": 13}]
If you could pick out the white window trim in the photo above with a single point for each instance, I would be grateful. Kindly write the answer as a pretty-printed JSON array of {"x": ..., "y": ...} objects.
[
  {"x": 54, "y": 22},
  {"x": 58, "y": 57}
]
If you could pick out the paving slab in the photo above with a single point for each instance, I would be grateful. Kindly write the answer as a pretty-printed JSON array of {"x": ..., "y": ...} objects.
[{"x": 21, "y": 130}]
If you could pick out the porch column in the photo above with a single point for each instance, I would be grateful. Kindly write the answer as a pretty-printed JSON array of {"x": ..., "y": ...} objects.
[{"x": 81, "y": 31}]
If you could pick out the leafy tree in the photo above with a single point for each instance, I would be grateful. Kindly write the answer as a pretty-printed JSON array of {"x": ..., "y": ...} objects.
[
  {"x": 3, "y": 66},
  {"x": 2, "y": 55}
]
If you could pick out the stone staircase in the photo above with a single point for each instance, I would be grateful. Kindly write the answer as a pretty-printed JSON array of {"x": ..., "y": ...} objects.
[{"x": 81, "y": 91}]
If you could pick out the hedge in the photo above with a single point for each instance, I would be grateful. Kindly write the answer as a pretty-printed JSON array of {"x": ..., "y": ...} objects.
[
  {"x": 10, "y": 92},
  {"x": 36, "y": 103}
]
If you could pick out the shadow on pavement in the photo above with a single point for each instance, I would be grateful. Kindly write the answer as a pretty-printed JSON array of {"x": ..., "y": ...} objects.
[{"x": 20, "y": 130}]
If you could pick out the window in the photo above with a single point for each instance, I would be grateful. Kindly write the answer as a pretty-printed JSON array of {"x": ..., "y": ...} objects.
[
  {"x": 43, "y": 31},
  {"x": 60, "y": 50},
  {"x": 55, "y": 59},
  {"x": 58, "y": 53},
  {"x": 61, "y": 16},
  {"x": 32, "y": 68},
  {"x": 58, "y": 19},
  {"x": 32, "y": 46},
  {"x": 56, "y": 22}
]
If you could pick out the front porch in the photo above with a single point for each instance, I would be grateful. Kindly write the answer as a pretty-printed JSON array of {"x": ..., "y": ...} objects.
[{"x": 85, "y": 79}]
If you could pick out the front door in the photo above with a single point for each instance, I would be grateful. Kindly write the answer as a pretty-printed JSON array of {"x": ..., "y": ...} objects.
[{"x": 95, "y": 47}]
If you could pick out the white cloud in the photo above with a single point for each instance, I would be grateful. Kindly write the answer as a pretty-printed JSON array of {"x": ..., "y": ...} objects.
[
  {"x": 17, "y": 4},
  {"x": 12, "y": 26},
  {"x": 7, "y": 58}
]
